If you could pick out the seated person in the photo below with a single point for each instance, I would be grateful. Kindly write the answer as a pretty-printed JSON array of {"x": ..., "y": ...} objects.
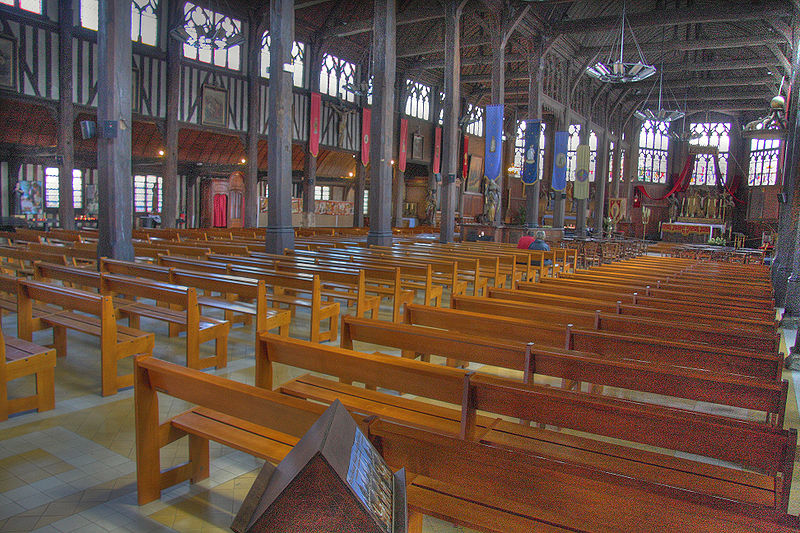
[{"x": 539, "y": 244}]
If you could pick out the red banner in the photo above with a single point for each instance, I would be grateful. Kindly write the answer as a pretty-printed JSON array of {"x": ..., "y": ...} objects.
[
  {"x": 465, "y": 158},
  {"x": 437, "y": 151},
  {"x": 681, "y": 183},
  {"x": 401, "y": 159},
  {"x": 313, "y": 132},
  {"x": 366, "y": 120}
]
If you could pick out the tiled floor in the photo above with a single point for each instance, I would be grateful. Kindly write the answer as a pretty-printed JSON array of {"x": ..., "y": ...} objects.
[{"x": 73, "y": 468}]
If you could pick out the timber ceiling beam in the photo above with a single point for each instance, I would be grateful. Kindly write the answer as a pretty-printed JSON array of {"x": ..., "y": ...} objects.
[
  {"x": 694, "y": 45},
  {"x": 426, "y": 48},
  {"x": 737, "y": 64},
  {"x": 410, "y": 16},
  {"x": 660, "y": 18}
]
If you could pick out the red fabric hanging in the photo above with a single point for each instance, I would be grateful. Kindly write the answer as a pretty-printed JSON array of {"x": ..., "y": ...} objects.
[
  {"x": 681, "y": 184},
  {"x": 220, "y": 219}
]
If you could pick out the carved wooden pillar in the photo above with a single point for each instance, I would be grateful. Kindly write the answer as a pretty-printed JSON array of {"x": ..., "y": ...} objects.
[
  {"x": 256, "y": 26},
  {"x": 600, "y": 181},
  {"x": 170, "y": 174},
  {"x": 498, "y": 45},
  {"x": 314, "y": 55},
  {"x": 280, "y": 233},
  {"x": 114, "y": 152},
  {"x": 382, "y": 125},
  {"x": 358, "y": 198},
  {"x": 535, "y": 80},
  {"x": 452, "y": 106},
  {"x": 66, "y": 148}
]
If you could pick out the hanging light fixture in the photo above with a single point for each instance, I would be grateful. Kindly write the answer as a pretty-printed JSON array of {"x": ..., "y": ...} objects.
[
  {"x": 615, "y": 69},
  {"x": 208, "y": 28},
  {"x": 771, "y": 126},
  {"x": 659, "y": 114}
]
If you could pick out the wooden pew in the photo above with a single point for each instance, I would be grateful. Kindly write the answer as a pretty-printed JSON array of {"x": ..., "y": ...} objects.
[
  {"x": 231, "y": 287},
  {"x": 250, "y": 419},
  {"x": 183, "y": 311},
  {"x": 760, "y": 446},
  {"x": 754, "y": 364},
  {"x": 19, "y": 358},
  {"x": 490, "y": 488},
  {"x": 308, "y": 284},
  {"x": 19, "y": 261},
  {"x": 701, "y": 385},
  {"x": 88, "y": 313}
]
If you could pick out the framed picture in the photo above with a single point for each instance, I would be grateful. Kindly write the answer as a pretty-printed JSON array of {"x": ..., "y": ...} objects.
[
  {"x": 475, "y": 175},
  {"x": 8, "y": 62},
  {"x": 416, "y": 147},
  {"x": 215, "y": 106},
  {"x": 135, "y": 90}
]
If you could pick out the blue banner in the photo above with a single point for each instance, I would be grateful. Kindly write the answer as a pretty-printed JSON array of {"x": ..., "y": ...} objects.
[
  {"x": 530, "y": 165},
  {"x": 494, "y": 142},
  {"x": 560, "y": 160}
]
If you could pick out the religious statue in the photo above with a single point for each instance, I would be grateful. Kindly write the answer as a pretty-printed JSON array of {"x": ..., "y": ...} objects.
[
  {"x": 711, "y": 205},
  {"x": 430, "y": 207},
  {"x": 727, "y": 205},
  {"x": 491, "y": 200},
  {"x": 673, "y": 208}
]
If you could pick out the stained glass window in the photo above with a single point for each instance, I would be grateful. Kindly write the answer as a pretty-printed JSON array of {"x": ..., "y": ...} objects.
[
  {"x": 418, "y": 101},
  {"x": 222, "y": 55},
  {"x": 298, "y": 60},
  {"x": 653, "y": 151},
  {"x": 335, "y": 77},
  {"x": 715, "y": 134},
  {"x": 764, "y": 160}
]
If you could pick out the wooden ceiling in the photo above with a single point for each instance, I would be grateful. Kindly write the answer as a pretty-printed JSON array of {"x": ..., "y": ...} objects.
[{"x": 727, "y": 55}]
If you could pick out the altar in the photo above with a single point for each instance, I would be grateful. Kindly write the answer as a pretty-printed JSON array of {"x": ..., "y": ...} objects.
[{"x": 691, "y": 232}]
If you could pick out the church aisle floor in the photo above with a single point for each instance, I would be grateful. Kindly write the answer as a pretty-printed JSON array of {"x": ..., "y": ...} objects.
[{"x": 73, "y": 468}]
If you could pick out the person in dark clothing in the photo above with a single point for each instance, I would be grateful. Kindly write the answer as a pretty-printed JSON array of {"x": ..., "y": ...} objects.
[{"x": 539, "y": 244}]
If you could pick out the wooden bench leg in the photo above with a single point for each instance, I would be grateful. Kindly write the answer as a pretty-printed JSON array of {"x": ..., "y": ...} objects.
[
  {"x": 60, "y": 340},
  {"x": 221, "y": 345},
  {"x": 3, "y": 396},
  {"x": 45, "y": 389},
  {"x": 198, "y": 456}
]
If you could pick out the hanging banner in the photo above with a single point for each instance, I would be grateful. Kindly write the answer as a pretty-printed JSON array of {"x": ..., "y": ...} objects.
[
  {"x": 437, "y": 151},
  {"x": 314, "y": 127},
  {"x": 530, "y": 166},
  {"x": 401, "y": 159},
  {"x": 465, "y": 160},
  {"x": 493, "y": 164},
  {"x": 560, "y": 141},
  {"x": 580, "y": 191},
  {"x": 366, "y": 120}
]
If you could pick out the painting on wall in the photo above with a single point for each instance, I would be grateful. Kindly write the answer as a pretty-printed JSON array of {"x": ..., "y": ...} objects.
[
  {"x": 215, "y": 106},
  {"x": 475, "y": 174},
  {"x": 8, "y": 62},
  {"x": 416, "y": 147}
]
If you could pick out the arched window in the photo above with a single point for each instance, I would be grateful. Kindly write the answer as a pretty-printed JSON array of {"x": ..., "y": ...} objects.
[
  {"x": 221, "y": 56},
  {"x": 418, "y": 102},
  {"x": 653, "y": 151},
  {"x": 335, "y": 76},
  {"x": 475, "y": 115},
  {"x": 298, "y": 60},
  {"x": 715, "y": 134},
  {"x": 610, "y": 161},
  {"x": 144, "y": 19},
  {"x": 32, "y": 6}
]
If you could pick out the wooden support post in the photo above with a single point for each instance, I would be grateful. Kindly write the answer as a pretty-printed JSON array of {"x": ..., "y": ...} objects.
[
  {"x": 382, "y": 125},
  {"x": 558, "y": 203},
  {"x": 451, "y": 155},
  {"x": 169, "y": 205},
  {"x": 600, "y": 181},
  {"x": 580, "y": 205},
  {"x": 399, "y": 197},
  {"x": 66, "y": 210},
  {"x": 114, "y": 131},
  {"x": 615, "y": 167},
  {"x": 787, "y": 238},
  {"x": 535, "y": 80},
  {"x": 309, "y": 185},
  {"x": 14, "y": 165},
  {"x": 498, "y": 45},
  {"x": 280, "y": 233},
  {"x": 358, "y": 197},
  {"x": 257, "y": 24}
]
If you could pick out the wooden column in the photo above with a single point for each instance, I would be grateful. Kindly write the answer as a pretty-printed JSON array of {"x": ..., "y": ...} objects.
[
  {"x": 787, "y": 237},
  {"x": 382, "y": 125},
  {"x": 280, "y": 233},
  {"x": 66, "y": 116},
  {"x": 615, "y": 170},
  {"x": 169, "y": 210},
  {"x": 558, "y": 203},
  {"x": 580, "y": 205},
  {"x": 535, "y": 80},
  {"x": 358, "y": 198},
  {"x": 115, "y": 183},
  {"x": 600, "y": 181},
  {"x": 451, "y": 155},
  {"x": 14, "y": 165},
  {"x": 191, "y": 201},
  {"x": 314, "y": 54},
  {"x": 257, "y": 23},
  {"x": 399, "y": 197},
  {"x": 498, "y": 45}
]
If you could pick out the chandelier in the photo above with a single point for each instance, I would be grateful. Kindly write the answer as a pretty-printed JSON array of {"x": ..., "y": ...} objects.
[
  {"x": 660, "y": 114},
  {"x": 771, "y": 126},
  {"x": 207, "y": 28},
  {"x": 615, "y": 69}
]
